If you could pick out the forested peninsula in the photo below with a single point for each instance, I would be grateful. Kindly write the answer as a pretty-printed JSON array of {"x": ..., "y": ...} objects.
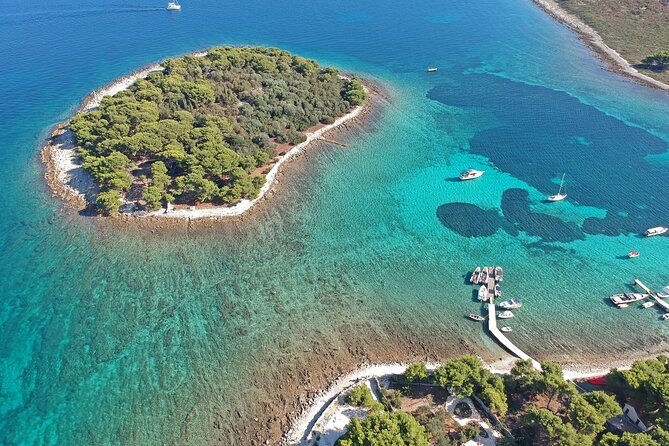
[{"x": 206, "y": 128}]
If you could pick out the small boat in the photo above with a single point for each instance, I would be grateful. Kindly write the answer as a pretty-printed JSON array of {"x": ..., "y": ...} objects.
[
  {"x": 657, "y": 230},
  {"x": 499, "y": 274},
  {"x": 665, "y": 317},
  {"x": 483, "y": 293},
  {"x": 623, "y": 306},
  {"x": 174, "y": 6},
  {"x": 431, "y": 69},
  {"x": 597, "y": 380},
  {"x": 475, "y": 317},
  {"x": 483, "y": 278},
  {"x": 505, "y": 315},
  {"x": 559, "y": 196},
  {"x": 648, "y": 304},
  {"x": 664, "y": 293},
  {"x": 498, "y": 290},
  {"x": 632, "y": 254},
  {"x": 511, "y": 304},
  {"x": 506, "y": 329},
  {"x": 470, "y": 174},
  {"x": 627, "y": 298},
  {"x": 475, "y": 275}
]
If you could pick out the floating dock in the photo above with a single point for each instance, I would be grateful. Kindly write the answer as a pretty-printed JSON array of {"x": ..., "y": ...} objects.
[
  {"x": 652, "y": 294},
  {"x": 510, "y": 346}
]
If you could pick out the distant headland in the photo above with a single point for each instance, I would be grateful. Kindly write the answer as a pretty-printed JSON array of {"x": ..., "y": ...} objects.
[{"x": 201, "y": 135}]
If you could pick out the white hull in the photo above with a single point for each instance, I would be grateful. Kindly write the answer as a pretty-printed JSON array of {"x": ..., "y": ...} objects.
[
  {"x": 471, "y": 174},
  {"x": 505, "y": 315},
  {"x": 558, "y": 197},
  {"x": 656, "y": 231}
]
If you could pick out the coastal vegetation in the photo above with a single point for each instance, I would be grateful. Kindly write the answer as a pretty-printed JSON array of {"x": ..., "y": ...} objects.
[
  {"x": 532, "y": 407},
  {"x": 205, "y": 129}
]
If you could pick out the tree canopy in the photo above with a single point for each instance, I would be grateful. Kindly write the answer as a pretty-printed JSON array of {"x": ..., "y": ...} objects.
[
  {"x": 660, "y": 58},
  {"x": 385, "y": 429},
  {"x": 208, "y": 123}
]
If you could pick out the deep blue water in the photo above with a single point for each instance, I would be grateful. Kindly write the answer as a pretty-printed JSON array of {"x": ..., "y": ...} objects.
[{"x": 112, "y": 336}]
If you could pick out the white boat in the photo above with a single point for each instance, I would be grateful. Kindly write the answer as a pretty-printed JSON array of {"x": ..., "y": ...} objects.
[
  {"x": 475, "y": 317},
  {"x": 174, "y": 6},
  {"x": 623, "y": 306},
  {"x": 506, "y": 329},
  {"x": 627, "y": 298},
  {"x": 665, "y": 317},
  {"x": 505, "y": 315},
  {"x": 470, "y": 174},
  {"x": 483, "y": 293},
  {"x": 657, "y": 230},
  {"x": 664, "y": 293},
  {"x": 483, "y": 278},
  {"x": 498, "y": 290},
  {"x": 559, "y": 196},
  {"x": 431, "y": 69},
  {"x": 648, "y": 304},
  {"x": 499, "y": 274},
  {"x": 475, "y": 275},
  {"x": 511, "y": 304}
]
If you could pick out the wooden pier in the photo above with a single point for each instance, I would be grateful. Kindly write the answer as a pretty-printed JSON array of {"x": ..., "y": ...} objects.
[
  {"x": 510, "y": 346},
  {"x": 652, "y": 294}
]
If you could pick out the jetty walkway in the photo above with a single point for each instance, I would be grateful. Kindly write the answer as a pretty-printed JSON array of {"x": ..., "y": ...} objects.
[
  {"x": 510, "y": 346},
  {"x": 652, "y": 294}
]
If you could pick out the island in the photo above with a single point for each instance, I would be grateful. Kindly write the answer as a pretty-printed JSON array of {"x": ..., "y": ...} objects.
[{"x": 203, "y": 129}]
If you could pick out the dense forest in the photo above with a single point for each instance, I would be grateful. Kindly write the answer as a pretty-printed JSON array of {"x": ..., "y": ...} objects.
[{"x": 198, "y": 130}]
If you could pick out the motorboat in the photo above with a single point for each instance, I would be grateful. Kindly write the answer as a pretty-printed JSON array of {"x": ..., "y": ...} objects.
[
  {"x": 174, "y": 6},
  {"x": 475, "y": 317},
  {"x": 664, "y": 293},
  {"x": 470, "y": 174},
  {"x": 559, "y": 196},
  {"x": 506, "y": 329},
  {"x": 648, "y": 304},
  {"x": 505, "y": 315},
  {"x": 511, "y": 304},
  {"x": 665, "y": 317},
  {"x": 475, "y": 275},
  {"x": 657, "y": 230},
  {"x": 627, "y": 298},
  {"x": 498, "y": 290},
  {"x": 431, "y": 69},
  {"x": 499, "y": 274},
  {"x": 483, "y": 293},
  {"x": 483, "y": 278},
  {"x": 632, "y": 254}
]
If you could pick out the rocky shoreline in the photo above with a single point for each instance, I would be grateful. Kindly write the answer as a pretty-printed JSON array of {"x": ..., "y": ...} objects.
[{"x": 614, "y": 61}]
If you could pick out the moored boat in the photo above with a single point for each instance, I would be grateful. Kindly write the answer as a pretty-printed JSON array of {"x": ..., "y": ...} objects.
[
  {"x": 483, "y": 293},
  {"x": 475, "y": 275},
  {"x": 499, "y": 274},
  {"x": 470, "y": 174},
  {"x": 632, "y": 254},
  {"x": 664, "y": 293},
  {"x": 627, "y": 298},
  {"x": 657, "y": 230},
  {"x": 475, "y": 317},
  {"x": 483, "y": 278},
  {"x": 511, "y": 304},
  {"x": 648, "y": 304},
  {"x": 498, "y": 290},
  {"x": 505, "y": 315},
  {"x": 665, "y": 317},
  {"x": 506, "y": 329}
]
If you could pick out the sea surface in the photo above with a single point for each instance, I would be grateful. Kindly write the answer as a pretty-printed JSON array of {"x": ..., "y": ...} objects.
[{"x": 120, "y": 336}]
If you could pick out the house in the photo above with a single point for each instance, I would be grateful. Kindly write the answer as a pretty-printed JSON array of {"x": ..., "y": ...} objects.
[{"x": 629, "y": 421}]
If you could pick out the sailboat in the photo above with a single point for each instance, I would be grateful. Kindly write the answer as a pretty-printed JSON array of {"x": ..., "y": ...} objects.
[
  {"x": 559, "y": 196},
  {"x": 174, "y": 6}
]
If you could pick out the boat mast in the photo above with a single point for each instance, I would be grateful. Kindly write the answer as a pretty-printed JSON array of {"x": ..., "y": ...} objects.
[{"x": 561, "y": 182}]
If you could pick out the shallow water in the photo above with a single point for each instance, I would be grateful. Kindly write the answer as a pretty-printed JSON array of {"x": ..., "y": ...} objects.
[{"x": 117, "y": 337}]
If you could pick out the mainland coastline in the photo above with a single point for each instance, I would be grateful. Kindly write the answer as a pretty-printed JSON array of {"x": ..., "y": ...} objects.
[{"x": 71, "y": 183}]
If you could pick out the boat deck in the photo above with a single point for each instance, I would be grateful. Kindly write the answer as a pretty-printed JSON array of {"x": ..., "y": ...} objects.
[
  {"x": 510, "y": 346},
  {"x": 652, "y": 294}
]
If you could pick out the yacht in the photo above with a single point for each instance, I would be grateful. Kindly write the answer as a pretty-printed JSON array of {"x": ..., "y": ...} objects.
[
  {"x": 506, "y": 329},
  {"x": 499, "y": 274},
  {"x": 431, "y": 69},
  {"x": 475, "y": 317},
  {"x": 483, "y": 293},
  {"x": 470, "y": 174},
  {"x": 658, "y": 230},
  {"x": 475, "y": 275},
  {"x": 174, "y": 6},
  {"x": 632, "y": 254},
  {"x": 511, "y": 304},
  {"x": 505, "y": 315},
  {"x": 559, "y": 196},
  {"x": 627, "y": 298}
]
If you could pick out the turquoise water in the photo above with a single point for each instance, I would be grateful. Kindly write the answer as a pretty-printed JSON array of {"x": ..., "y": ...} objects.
[{"x": 128, "y": 337}]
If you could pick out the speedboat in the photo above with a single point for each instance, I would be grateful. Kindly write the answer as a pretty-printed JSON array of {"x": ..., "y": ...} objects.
[
  {"x": 657, "y": 230},
  {"x": 174, "y": 6},
  {"x": 665, "y": 317},
  {"x": 632, "y": 254},
  {"x": 431, "y": 69},
  {"x": 498, "y": 290},
  {"x": 511, "y": 304},
  {"x": 648, "y": 304},
  {"x": 664, "y": 293},
  {"x": 627, "y": 298},
  {"x": 475, "y": 317},
  {"x": 470, "y": 174},
  {"x": 483, "y": 293},
  {"x": 505, "y": 315},
  {"x": 506, "y": 329},
  {"x": 475, "y": 275},
  {"x": 499, "y": 274},
  {"x": 559, "y": 196},
  {"x": 483, "y": 278}
]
